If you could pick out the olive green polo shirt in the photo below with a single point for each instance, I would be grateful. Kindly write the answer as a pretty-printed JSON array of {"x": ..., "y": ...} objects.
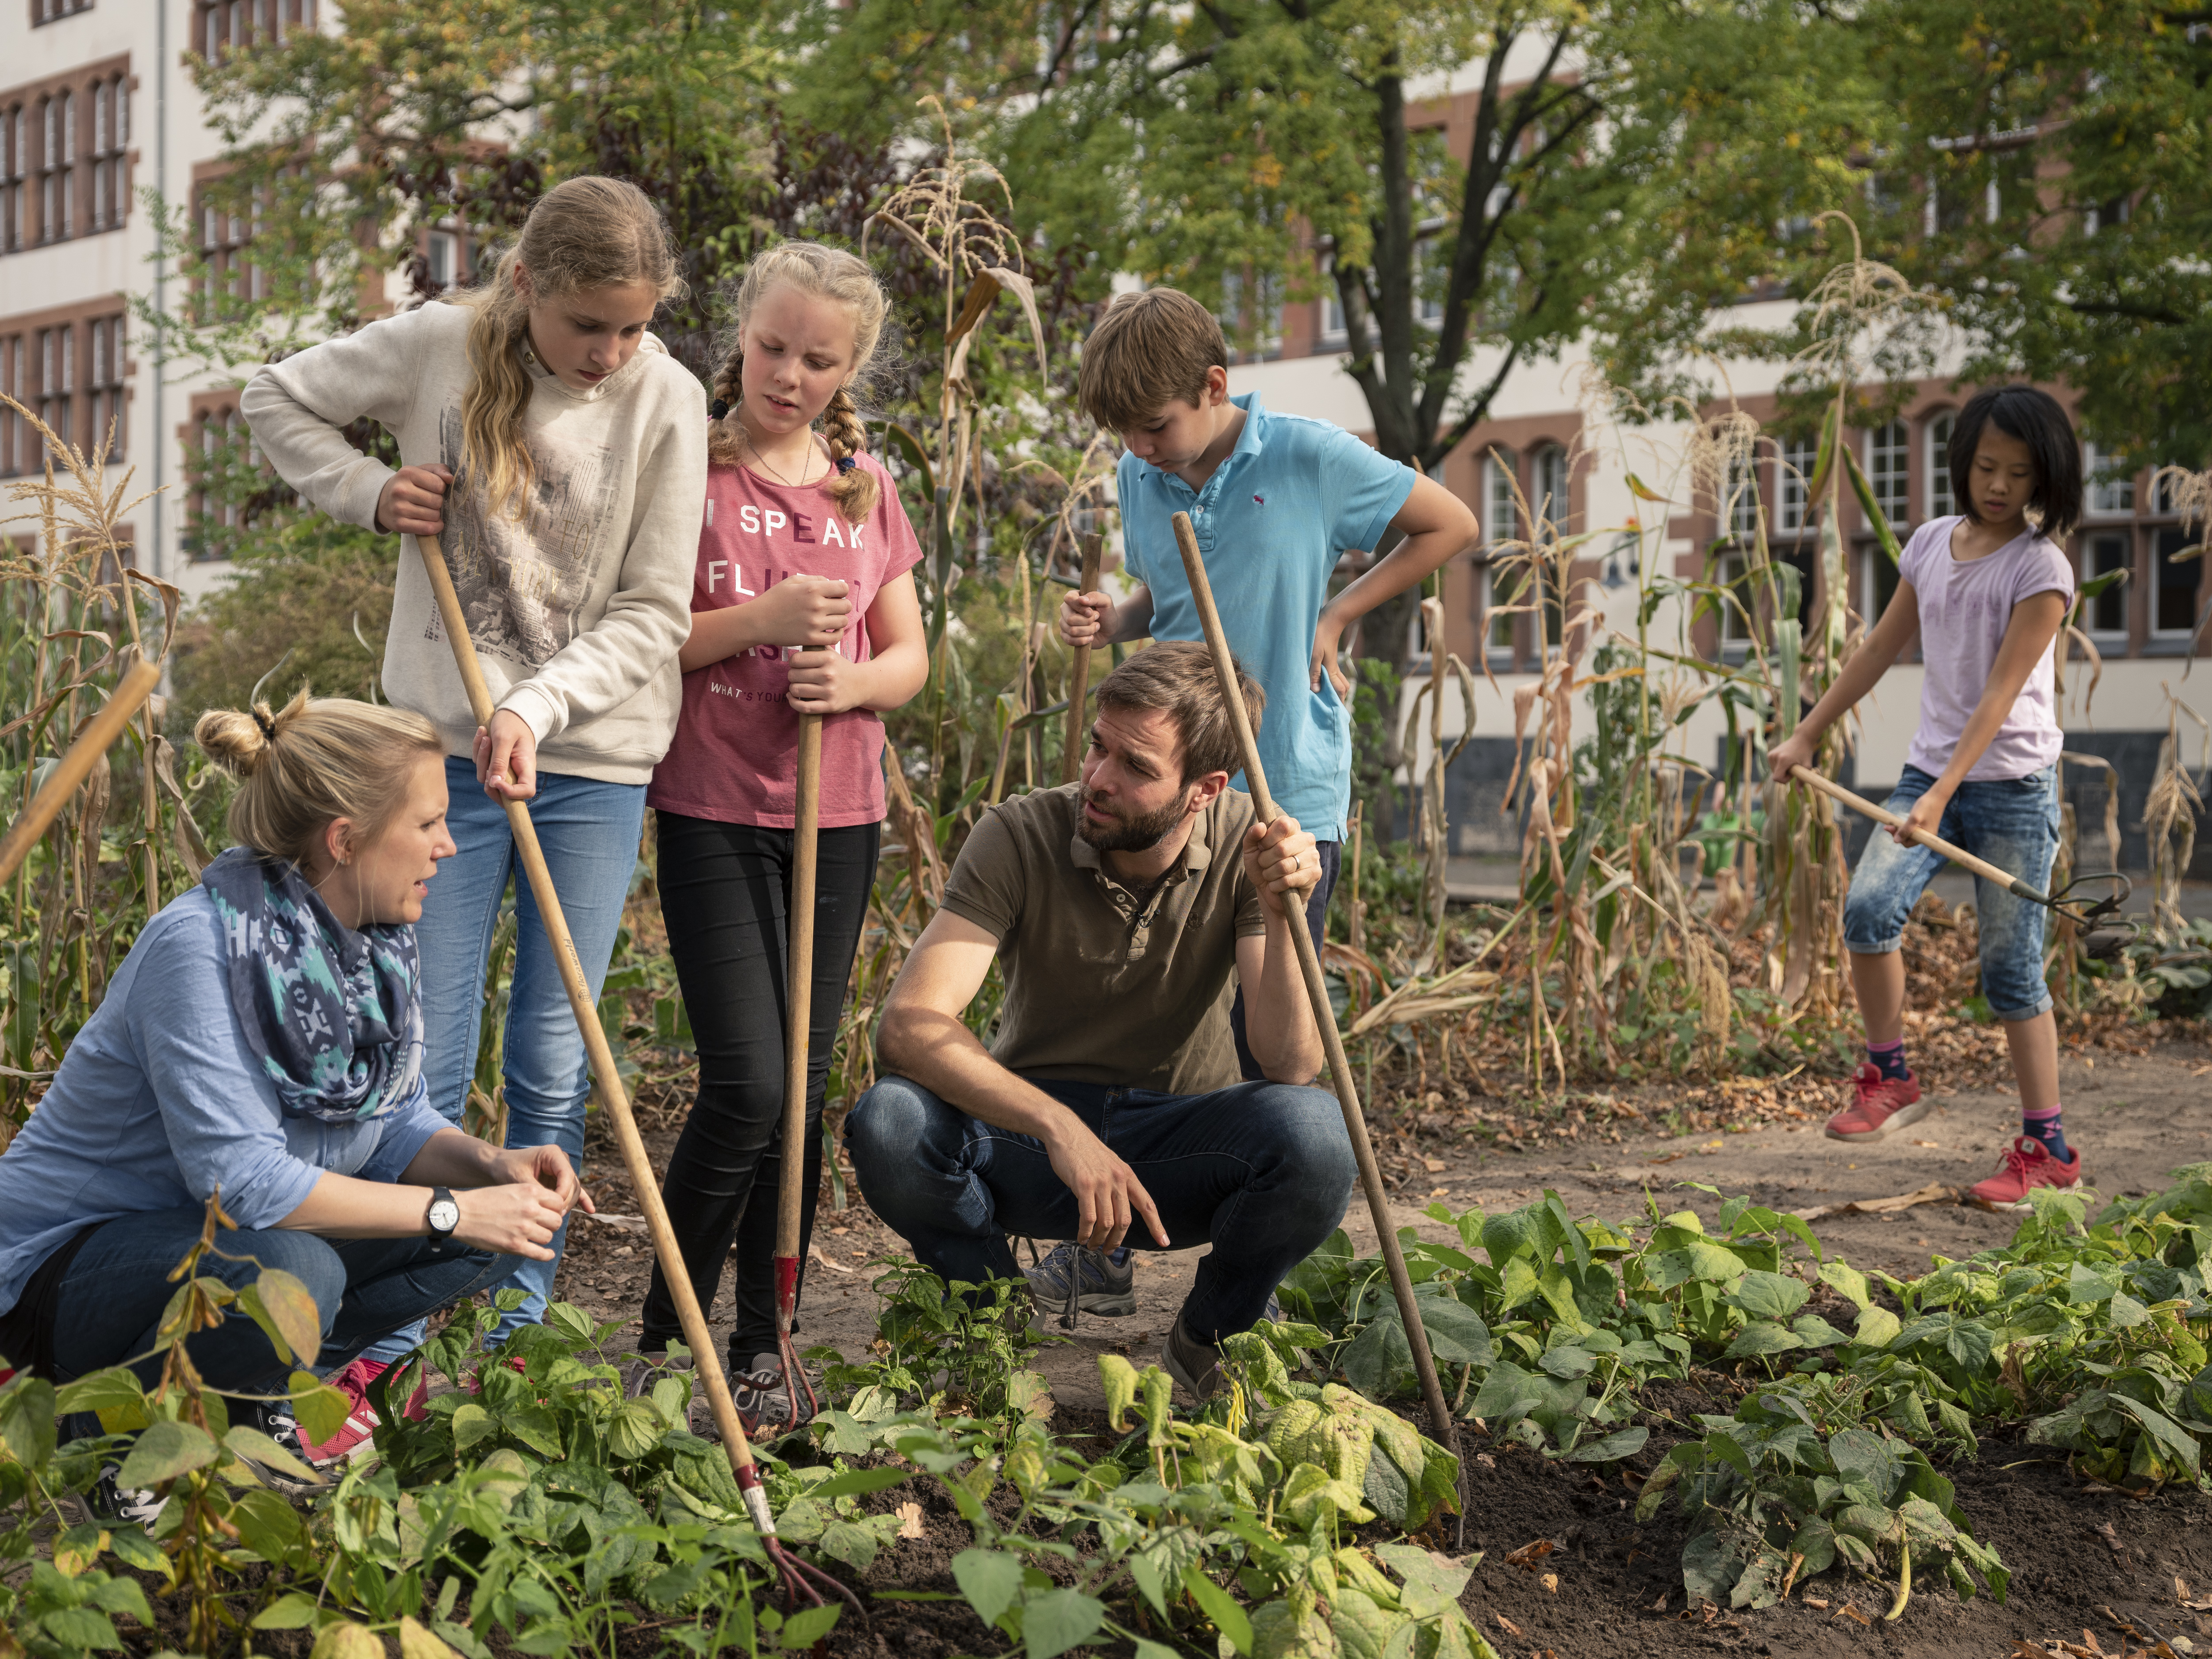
[{"x": 1104, "y": 984}]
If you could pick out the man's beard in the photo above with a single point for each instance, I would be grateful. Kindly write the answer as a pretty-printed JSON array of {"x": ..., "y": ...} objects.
[{"x": 1130, "y": 835}]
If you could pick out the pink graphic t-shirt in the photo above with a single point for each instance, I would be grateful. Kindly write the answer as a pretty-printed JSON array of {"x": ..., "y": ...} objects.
[{"x": 735, "y": 757}]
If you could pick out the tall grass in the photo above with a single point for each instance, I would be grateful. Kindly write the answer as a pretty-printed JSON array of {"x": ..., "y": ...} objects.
[{"x": 75, "y": 616}]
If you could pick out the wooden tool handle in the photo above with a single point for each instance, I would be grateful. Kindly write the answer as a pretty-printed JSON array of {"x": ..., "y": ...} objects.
[
  {"x": 1079, "y": 673},
  {"x": 604, "y": 1076},
  {"x": 1324, "y": 1015},
  {"x": 799, "y": 988},
  {"x": 76, "y": 765},
  {"x": 1958, "y": 855}
]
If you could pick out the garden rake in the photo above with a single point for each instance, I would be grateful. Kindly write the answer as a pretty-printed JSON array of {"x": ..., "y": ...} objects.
[
  {"x": 799, "y": 998},
  {"x": 1340, "y": 1066},
  {"x": 800, "y": 1578},
  {"x": 2104, "y": 929},
  {"x": 1079, "y": 672}
]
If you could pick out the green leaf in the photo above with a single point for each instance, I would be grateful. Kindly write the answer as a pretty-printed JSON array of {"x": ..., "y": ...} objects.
[
  {"x": 1849, "y": 1283},
  {"x": 1433, "y": 1583},
  {"x": 320, "y": 1410},
  {"x": 1874, "y": 516},
  {"x": 1762, "y": 1339},
  {"x": 851, "y": 1482},
  {"x": 1057, "y": 1621},
  {"x": 1878, "y": 1328},
  {"x": 990, "y": 1579},
  {"x": 807, "y": 1626},
  {"x": 115, "y": 1394},
  {"x": 27, "y": 1421},
  {"x": 281, "y": 1306},
  {"x": 1768, "y": 1295},
  {"x": 164, "y": 1450},
  {"x": 294, "y": 1611},
  {"x": 1386, "y": 1491},
  {"x": 1815, "y": 1332},
  {"x": 257, "y": 1447},
  {"x": 471, "y": 1424},
  {"x": 1220, "y": 1606},
  {"x": 1621, "y": 1442},
  {"x": 2126, "y": 1313},
  {"x": 537, "y": 1428}
]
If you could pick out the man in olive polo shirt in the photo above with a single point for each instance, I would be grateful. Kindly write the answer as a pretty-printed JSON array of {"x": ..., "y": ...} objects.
[{"x": 1118, "y": 909}]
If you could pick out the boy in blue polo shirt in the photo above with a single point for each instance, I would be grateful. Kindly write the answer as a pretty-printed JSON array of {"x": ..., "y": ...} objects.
[{"x": 1275, "y": 501}]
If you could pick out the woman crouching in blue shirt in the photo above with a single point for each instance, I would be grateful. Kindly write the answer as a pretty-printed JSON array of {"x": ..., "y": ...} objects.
[{"x": 263, "y": 1039}]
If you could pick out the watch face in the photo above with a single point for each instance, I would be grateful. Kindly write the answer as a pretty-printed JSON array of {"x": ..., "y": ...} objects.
[{"x": 444, "y": 1215}]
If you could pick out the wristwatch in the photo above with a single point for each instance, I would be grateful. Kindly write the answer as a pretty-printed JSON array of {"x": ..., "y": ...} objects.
[{"x": 444, "y": 1216}]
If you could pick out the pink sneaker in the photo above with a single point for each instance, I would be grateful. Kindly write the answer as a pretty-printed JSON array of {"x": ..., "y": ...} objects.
[
  {"x": 2028, "y": 1165},
  {"x": 361, "y": 1422},
  {"x": 1879, "y": 1104}
]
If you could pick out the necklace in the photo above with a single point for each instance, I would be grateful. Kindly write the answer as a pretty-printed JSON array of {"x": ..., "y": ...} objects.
[{"x": 786, "y": 482}]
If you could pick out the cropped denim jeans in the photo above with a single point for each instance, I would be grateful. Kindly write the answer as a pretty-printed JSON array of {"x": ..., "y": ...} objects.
[
  {"x": 590, "y": 832},
  {"x": 1262, "y": 1170},
  {"x": 2011, "y": 822}
]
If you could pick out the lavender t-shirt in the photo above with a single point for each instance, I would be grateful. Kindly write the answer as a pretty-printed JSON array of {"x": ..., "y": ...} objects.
[{"x": 1966, "y": 605}]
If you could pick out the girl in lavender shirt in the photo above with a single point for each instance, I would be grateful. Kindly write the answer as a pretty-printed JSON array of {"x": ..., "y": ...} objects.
[{"x": 1986, "y": 593}]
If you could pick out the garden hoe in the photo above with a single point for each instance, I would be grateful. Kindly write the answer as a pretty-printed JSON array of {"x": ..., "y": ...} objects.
[
  {"x": 1340, "y": 1067},
  {"x": 799, "y": 998},
  {"x": 800, "y": 1578},
  {"x": 2103, "y": 930},
  {"x": 1078, "y": 672}
]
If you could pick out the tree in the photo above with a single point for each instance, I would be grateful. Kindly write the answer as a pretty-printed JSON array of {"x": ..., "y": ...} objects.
[{"x": 2060, "y": 151}]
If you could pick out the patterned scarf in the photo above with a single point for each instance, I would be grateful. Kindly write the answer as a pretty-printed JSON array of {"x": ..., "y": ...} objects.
[{"x": 335, "y": 1016}]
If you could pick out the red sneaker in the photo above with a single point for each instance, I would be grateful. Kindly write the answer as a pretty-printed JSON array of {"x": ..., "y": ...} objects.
[
  {"x": 1879, "y": 1104},
  {"x": 2028, "y": 1165},
  {"x": 361, "y": 1422}
]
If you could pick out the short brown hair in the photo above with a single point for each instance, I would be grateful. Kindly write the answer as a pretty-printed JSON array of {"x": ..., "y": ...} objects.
[
  {"x": 1148, "y": 349},
  {"x": 1178, "y": 677}
]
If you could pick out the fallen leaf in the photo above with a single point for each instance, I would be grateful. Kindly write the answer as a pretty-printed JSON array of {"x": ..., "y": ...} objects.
[
  {"x": 1847, "y": 1611},
  {"x": 1819, "y": 1601},
  {"x": 1935, "y": 1193},
  {"x": 1506, "y": 1625},
  {"x": 1485, "y": 1460},
  {"x": 815, "y": 1251},
  {"x": 1530, "y": 1553},
  {"x": 1433, "y": 1165},
  {"x": 1937, "y": 1145},
  {"x": 1550, "y": 1581},
  {"x": 909, "y": 1516},
  {"x": 1660, "y": 1606}
]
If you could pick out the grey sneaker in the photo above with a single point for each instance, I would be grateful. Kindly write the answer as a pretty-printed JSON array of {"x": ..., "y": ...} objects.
[
  {"x": 1102, "y": 1281},
  {"x": 121, "y": 1505},
  {"x": 1195, "y": 1364}
]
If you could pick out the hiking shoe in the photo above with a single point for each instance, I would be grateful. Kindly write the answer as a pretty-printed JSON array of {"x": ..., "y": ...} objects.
[
  {"x": 119, "y": 1505},
  {"x": 1879, "y": 1104},
  {"x": 359, "y": 1425},
  {"x": 1195, "y": 1364},
  {"x": 761, "y": 1400},
  {"x": 1102, "y": 1281},
  {"x": 2028, "y": 1165}
]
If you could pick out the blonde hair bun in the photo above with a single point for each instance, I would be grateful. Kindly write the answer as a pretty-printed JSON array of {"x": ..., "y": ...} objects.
[{"x": 314, "y": 760}]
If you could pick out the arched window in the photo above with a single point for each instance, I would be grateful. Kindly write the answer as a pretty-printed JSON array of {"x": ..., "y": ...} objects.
[
  {"x": 1888, "y": 468},
  {"x": 1794, "y": 477},
  {"x": 1547, "y": 491},
  {"x": 1942, "y": 503}
]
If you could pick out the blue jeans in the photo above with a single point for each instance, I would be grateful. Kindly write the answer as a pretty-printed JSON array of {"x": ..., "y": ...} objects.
[
  {"x": 590, "y": 832},
  {"x": 2011, "y": 822},
  {"x": 1262, "y": 1170},
  {"x": 111, "y": 1299}
]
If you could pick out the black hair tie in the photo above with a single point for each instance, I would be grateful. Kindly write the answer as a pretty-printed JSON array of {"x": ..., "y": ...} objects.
[
  {"x": 846, "y": 463},
  {"x": 717, "y": 409},
  {"x": 267, "y": 727}
]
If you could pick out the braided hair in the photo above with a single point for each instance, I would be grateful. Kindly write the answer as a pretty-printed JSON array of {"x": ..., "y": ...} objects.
[{"x": 831, "y": 274}]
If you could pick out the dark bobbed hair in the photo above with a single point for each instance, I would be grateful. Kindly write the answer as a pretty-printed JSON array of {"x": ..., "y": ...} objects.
[
  {"x": 1178, "y": 676},
  {"x": 2036, "y": 418}
]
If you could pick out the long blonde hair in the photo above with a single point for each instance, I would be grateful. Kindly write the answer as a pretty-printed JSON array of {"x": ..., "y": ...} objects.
[
  {"x": 316, "y": 759},
  {"x": 827, "y": 273},
  {"x": 584, "y": 233}
]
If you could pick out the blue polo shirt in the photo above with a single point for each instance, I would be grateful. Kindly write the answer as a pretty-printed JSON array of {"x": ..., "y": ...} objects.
[{"x": 1293, "y": 496}]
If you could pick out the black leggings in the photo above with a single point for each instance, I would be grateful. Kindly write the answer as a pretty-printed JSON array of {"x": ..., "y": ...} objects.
[{"x": 724, "y": 888}]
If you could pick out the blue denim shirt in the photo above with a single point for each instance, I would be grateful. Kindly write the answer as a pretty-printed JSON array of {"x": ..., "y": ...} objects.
[
  {"x": 159, "y": 1101},
  {"x": 1292, "y": 497}
]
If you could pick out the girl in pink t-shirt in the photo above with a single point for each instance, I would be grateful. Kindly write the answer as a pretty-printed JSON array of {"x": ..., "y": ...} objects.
[
  {"x": 1986, "y": 593},
  {"x": 803, "y": 600}
]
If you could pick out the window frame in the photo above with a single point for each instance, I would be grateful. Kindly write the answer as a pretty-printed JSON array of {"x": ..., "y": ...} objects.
[
  {"x": 1888, "y": 460},
  {"x": 1936, "y": 430}
]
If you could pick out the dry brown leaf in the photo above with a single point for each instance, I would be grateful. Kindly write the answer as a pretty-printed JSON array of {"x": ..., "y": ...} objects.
[
  {"x": 1819, "y": 1601},
  {"x": 1935, "y": 1193},
  {"x": 909, "y": 1514},
  {"x": 1550, "y": 1581},
  {"x": 1847, "y": 1611},
  {"x": 1530, "y": 1553},
  {"x": 1506, "y": 1625}
]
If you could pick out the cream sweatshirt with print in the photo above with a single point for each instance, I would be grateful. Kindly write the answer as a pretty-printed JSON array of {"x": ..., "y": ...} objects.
[{"x": 579, "y": 607}]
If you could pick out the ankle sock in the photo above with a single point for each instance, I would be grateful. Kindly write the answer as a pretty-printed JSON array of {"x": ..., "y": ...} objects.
[
  {"x": 2045, "y": 1127},
  {"x": 1888, "y": 1059}
]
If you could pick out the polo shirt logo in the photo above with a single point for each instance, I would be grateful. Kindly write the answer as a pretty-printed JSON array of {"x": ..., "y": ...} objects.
[{"x": 1260, "y": 501}]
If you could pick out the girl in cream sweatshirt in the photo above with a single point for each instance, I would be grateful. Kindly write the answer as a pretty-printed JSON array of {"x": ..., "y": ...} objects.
[{"x": 559, "y": 454}]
